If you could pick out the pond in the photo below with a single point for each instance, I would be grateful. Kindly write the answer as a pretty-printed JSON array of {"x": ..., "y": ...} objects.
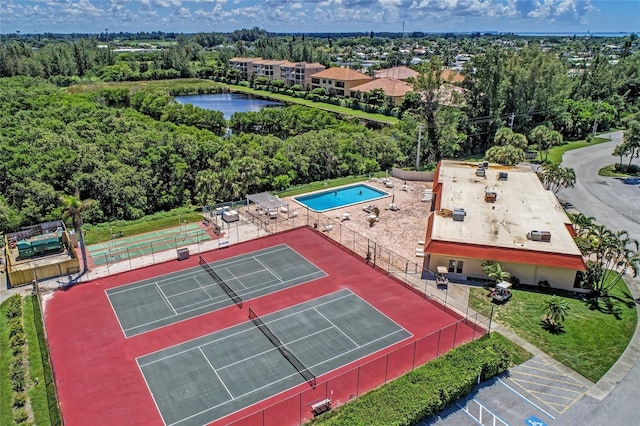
[{"x": 228, "y": 103}]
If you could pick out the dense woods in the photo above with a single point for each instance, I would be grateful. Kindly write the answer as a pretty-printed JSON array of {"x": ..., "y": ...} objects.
[
  {"x": 135, "y": 151},
  {"x": 54, "y": 143}
]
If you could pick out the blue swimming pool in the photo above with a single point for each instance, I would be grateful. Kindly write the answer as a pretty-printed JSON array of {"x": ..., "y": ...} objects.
[{"x": 340, "y": 197}]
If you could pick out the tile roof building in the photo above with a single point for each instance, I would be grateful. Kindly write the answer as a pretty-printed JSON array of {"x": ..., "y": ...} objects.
[
  {"x": 504, "y": 215},
  {"x": 393, "y": 89},
  {"x": 338, "y": 81},
  {"x": 398, "y": 73}
]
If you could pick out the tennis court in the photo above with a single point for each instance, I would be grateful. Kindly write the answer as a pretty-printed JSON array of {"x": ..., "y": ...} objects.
[
  {"x": 205, "y": 379},
  {"x": 121, "y": 248},
  {"x": 149, "y": 304}
]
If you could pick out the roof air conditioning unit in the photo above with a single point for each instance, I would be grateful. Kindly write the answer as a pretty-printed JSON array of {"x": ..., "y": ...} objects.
[
  {"x": 503, "y": 176},
  {"x": 480, "y": 172},
  {"x": 539, "y": 236},
  {"x": 458, "y": 215}
]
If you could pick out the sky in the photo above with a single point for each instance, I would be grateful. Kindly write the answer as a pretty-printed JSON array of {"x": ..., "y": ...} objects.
[{"x": 308, "y": 16}]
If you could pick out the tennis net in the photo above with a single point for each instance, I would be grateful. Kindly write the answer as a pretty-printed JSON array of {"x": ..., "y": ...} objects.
[
  {"x": 297, "y": 364},
  {"x": 232, "y": 294}
]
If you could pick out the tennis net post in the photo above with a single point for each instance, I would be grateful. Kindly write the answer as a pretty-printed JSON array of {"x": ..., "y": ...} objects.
[
  {"x": 286, "y": 353},
  {"x": 232, "y": 294}
]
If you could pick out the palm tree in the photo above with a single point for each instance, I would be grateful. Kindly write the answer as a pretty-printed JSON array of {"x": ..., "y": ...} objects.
[
  {"x": 555, "y": 309},
  {"x": 73, "y": 209},
  {"x": 495, "y": 271}
]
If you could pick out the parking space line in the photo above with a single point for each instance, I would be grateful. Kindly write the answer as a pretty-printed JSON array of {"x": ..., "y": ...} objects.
[{"x": 523, "y": 397}]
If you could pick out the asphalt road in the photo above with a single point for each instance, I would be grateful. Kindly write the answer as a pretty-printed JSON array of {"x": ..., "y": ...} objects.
[{"x": 611, "y": 202}]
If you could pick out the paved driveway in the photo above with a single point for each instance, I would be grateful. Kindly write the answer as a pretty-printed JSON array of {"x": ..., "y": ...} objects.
[{"x": 610, "y": 201}]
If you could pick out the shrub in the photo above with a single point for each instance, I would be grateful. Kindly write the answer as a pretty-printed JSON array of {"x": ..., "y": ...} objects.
[
  {"x": 426, "y": 390},
  {"x": 14, "y": 308},
  {"x": 15, "y": 326},
  {"x": 19, "y": 399},
  {"x": 17, "y": 340},
  {"x": 17, "y": 378},
  {"x": 20, "y": 416}
]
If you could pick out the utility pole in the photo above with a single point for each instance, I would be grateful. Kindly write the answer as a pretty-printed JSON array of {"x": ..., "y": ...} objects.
[
  {"x": 418, "y": 150},
  {"x": 512, "y": 116}
]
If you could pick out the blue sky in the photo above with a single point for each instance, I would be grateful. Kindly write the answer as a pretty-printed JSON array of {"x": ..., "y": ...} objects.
[{"x": 188, "y": 16}]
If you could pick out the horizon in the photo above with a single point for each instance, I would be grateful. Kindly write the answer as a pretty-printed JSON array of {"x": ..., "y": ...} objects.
[{"x": 320, "y": 16}]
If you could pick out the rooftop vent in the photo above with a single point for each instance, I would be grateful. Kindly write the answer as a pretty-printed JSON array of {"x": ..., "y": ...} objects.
[
  {"x": 490, "y": 195},
  {"x": 503, "y": 176},
  {"x": 539, "y": 236},
  {"x": 458, "y": 215},
  {"x": 480, "y": 172}
]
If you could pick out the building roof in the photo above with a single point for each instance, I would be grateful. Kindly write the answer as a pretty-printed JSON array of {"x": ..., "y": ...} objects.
[
  {"x": 500, "y": 228},
  {"x": 399, "y": 73},
  {"x": 503, "y": 254},
  {"x": 244, "y": 59},
  {"x": 389, "y": 86},
  {"x": 343, "y": 74},
  {"x": 451, "y": 76},
  {"x": 311, "y": 65}
]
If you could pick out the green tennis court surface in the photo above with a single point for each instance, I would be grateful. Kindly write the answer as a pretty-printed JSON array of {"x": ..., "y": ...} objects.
[
  {"x": 144, "y": 244},
  {"x": 200, "y": 381},
  {"x": 150, "y": 304}
]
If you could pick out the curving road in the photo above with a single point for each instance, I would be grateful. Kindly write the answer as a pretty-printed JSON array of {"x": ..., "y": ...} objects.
[{"x": 611, "y": 202}]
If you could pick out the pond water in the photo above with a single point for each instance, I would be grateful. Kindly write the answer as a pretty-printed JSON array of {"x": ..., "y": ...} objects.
[{"x": 228, "y": 103}]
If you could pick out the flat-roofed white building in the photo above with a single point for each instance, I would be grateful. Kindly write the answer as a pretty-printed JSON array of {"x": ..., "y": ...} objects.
[{"x": 501, "y": 214}]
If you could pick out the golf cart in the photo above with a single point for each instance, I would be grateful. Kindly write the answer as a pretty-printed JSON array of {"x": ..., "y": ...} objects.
[
  {"x": 502, "y": 292},
  {"x": 441, "y": 277}
]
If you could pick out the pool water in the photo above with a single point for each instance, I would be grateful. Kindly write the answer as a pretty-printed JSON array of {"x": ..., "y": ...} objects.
[{"x": 340, "y": 197}]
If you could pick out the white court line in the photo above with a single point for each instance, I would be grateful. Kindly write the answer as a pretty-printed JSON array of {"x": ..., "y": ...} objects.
[
  {"x": 166, "y": 300},
  {"x": 116, "y": 314},
  {"x": 151, "y": 393},
  {"x": 296, "y": 374},
  {"x": 216, "y": 372},
  {"x": 272, "y": 349},
  {"x": 525, "y": 398},
  {"x": 335, "y": 326},
  {"x": 268, "y": 269},
  {"x": 243, "y": 295},
  {"x": 203, "y": 288},
  {"x": 233, "y": 335}
]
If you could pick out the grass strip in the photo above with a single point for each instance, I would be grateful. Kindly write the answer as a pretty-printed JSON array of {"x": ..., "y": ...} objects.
[
  {"x": 102, "y": 232},
  {"x": 428, "y": 389},
  {"x": 556, "y": 153},
  {"x": 593, "y": 337},
  {"x": 38, "y": 357},
  {"x": 6, "y": 394},
  {"x": 380, "y": 118}
]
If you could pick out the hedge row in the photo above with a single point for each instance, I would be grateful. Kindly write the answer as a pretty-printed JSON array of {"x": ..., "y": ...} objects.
[
  {"x": 426, "y": 390},
  {"x": 17, "y": 370}
]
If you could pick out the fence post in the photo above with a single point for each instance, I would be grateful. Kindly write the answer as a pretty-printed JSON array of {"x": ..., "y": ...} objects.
[
  {"x": 129, "y": 257},
  {"x": 153, "y": 257}
]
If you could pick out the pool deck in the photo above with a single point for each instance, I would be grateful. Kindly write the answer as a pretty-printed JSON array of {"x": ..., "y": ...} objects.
[{"x": 398, "y": 230}]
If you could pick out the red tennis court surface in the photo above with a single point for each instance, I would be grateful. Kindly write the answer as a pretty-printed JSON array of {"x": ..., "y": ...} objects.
[{"x": 99, "y": 382}]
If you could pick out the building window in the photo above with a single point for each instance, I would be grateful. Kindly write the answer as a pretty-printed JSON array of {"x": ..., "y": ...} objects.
[
  {"x": 340, "y": 92},
  {"x": 315, "y": 80},
  {"x": 455, "y": 266},
  {"x": 339, "y": 83}
]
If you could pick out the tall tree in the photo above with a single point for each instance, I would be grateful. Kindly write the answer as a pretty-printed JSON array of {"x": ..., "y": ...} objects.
[
  {"x": 73, "y": 209},
  {"x": 555, "y": 177}
]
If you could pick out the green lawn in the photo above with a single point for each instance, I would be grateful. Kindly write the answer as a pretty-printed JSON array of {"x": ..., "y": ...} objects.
[
  {"x": 6, "y": 395},
  {"x": 38, "y": 350},
  {"x": 610, "y": 171},
  {"x": 556, "y": 153},
  {"x": 102, "y": 232},
  {"x": 592, "y": 340},
  {"x": 319, "y": 105}
]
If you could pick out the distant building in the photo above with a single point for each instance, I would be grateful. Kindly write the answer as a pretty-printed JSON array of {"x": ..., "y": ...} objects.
[
  {"x": 338, "y": 81},
  {"x": 499, "y": 214},
  {"x": 393, "y": 89},
  {"x": 267, "y": 68},
  {"x": 300, "y": 73},
  {"x": 398, "y": 73},
  {"x": 244, "y": 65}
]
